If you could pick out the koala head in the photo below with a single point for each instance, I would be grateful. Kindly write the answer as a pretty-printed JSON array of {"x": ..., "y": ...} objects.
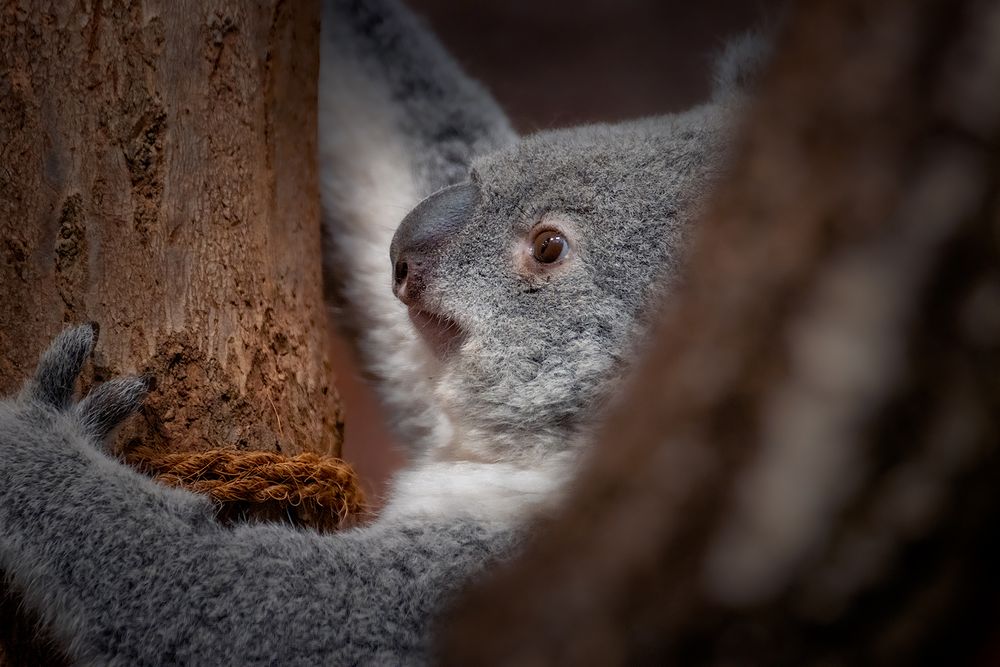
[{"x": 532, "y": 281}]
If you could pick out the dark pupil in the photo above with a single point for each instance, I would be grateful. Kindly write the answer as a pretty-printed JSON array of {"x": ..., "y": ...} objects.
[{"x": 548, "y": 247}]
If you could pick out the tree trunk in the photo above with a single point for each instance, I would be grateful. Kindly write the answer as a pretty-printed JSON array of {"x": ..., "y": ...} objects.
[
  {"x": 805, "y": 470},
  {"x": 157, "y": 177}
]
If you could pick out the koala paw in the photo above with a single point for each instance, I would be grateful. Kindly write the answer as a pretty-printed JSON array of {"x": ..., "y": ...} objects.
[{"x": 52, "y": 386}]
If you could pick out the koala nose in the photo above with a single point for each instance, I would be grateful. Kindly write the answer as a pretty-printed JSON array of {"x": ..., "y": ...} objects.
[{"x": 423, "y": 234}]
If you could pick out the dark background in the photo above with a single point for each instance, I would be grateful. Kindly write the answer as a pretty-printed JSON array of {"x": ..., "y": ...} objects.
[{"x": 554, "y": 64}]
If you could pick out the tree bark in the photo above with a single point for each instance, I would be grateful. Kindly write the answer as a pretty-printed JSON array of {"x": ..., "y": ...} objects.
[
  {"x": 804, "y": 471},
  {"x": 157, "y": 177}
]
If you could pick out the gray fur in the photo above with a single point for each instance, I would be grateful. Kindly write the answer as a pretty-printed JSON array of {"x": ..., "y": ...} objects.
[
  {"x": 128, "y": 572},
  {"x": 541, "y": 353},
  {"x": 55, "y": 378},
  {"x": 444, "y": 117},
  {"x": 110, "y": 404},
  {"x": 738, "y": 65},
  {"x": 398, "y": 119}
]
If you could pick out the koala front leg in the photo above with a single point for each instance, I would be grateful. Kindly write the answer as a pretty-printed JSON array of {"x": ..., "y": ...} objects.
[
  {"x": 125, "y": 571},
  {"x": 66, "y": 508}
]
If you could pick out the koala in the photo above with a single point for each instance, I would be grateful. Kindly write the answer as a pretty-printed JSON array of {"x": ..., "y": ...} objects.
[
  {"x": 493, "y": 360},
  {"x": 496, "y": 286}
]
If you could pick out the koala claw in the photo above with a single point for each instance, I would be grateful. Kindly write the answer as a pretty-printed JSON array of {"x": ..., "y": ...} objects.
[
  {"x": 106, "y": 406},
  {"x": 55, "y": 377},
  {"x": 110, "y": 404}
]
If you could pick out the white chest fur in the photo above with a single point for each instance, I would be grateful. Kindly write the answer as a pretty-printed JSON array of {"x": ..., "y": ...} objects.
[{"x": 492, "y": 492}]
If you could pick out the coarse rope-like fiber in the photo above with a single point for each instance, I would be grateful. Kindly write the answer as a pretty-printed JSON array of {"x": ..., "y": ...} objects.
[{"x": 307, "y": 489}]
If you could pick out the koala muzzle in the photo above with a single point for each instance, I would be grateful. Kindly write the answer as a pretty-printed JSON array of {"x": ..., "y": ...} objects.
[{"x": 422, "y": 236}]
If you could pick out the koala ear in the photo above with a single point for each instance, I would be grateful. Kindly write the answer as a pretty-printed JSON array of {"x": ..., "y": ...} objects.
[{"x": 740, "y": 63}]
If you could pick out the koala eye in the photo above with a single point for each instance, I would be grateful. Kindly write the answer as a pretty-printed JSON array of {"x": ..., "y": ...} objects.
[{"x": 549, "y": 246}]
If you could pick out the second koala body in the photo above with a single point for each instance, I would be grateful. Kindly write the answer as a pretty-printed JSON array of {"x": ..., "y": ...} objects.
[{"x": 496, "y": 356}]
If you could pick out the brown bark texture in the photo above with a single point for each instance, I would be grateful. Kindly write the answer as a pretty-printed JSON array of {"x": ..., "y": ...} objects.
[
  {"x": 157, "y": 177},
  {"x": 804, "y": 470}
]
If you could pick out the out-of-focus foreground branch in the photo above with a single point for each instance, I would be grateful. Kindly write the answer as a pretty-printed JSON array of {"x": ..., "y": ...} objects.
[{"x": 805, "y": 470}]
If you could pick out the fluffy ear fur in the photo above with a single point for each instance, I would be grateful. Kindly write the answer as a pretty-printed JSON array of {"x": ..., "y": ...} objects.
[{"x": 741, "y": 61}]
